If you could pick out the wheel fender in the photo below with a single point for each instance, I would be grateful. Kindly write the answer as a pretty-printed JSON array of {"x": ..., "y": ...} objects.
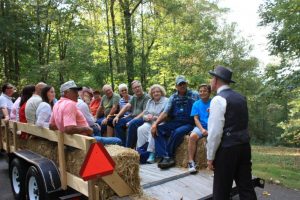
[{"x": 47, "y": 169}]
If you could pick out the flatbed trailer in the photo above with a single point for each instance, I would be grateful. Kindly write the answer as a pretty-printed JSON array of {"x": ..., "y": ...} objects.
[
  {"x": 51, "y": 182},
  {"x": 36, "y": 177}
]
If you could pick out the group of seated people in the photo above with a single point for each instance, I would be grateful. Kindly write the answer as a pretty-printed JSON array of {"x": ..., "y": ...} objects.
[{"x": 150, "y": 122}]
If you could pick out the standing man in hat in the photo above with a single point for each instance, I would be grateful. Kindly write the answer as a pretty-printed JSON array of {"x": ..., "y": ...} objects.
[
  {"x": 228, "y": 147},
  {"x": 169, "y": 135}
]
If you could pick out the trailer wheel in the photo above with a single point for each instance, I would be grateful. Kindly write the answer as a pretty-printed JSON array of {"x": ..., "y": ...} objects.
[
  {"x": 34, "y": 185},
  {"x": 17, "y": 178}
]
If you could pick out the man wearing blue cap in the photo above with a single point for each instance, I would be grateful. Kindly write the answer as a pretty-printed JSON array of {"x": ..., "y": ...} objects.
[
  {"x": 169, "y": 135},
  {"x": 228, "y": 147}
]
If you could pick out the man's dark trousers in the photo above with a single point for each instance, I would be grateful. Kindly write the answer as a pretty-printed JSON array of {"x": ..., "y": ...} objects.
[{"x": 233, "y": 163}]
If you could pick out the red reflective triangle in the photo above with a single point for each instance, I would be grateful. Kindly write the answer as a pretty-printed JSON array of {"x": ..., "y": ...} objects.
[{"x": 97, "y": 163}]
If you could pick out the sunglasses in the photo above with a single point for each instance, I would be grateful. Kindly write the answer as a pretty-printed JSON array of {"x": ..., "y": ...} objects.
[{"x": 181, "y": 84}]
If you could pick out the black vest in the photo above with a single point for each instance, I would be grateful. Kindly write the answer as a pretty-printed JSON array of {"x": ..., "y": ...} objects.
[{"x": 235, "y": 129}]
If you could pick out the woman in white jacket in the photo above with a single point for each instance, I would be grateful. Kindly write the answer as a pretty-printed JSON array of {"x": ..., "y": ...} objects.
[
  {"x": 44, "y": 109},
  {"x": 153, "y": 109}
]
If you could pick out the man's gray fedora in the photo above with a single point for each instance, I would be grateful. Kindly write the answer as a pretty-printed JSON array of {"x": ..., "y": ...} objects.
[{"x": 222, "y": 73}]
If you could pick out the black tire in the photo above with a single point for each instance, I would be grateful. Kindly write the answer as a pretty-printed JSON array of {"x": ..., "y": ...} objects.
[
  {"x": 35, "y": 188},
  {"x": 17, "y": 174}
]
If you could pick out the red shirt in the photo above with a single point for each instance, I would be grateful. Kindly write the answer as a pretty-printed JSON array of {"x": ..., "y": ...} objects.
[
  {"x": 22, "y": 116},
  {"x": 23, "y": 119},
  {"x": 94, "y": 105}
]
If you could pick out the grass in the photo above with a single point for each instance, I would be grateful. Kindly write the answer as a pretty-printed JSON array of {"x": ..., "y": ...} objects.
[{"x": 277, "y": 163}]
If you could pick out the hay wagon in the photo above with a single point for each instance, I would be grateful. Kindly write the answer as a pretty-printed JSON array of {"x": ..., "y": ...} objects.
[{"x": 47, "y": 167}]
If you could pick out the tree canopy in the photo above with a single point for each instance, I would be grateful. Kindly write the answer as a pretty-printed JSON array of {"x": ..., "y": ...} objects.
[
  {"x": 95, "y": 42},
  {"x": 283, "y": 16}
]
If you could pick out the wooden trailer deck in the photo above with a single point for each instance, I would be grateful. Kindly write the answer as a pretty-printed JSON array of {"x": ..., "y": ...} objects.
[
  {"x": 178, "y": 184},
  {"x": 175, "y": 183}
]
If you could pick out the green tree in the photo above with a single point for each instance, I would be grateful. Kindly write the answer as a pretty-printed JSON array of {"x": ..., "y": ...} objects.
[
  {"x": 283, "y": 80},
  {"x": 291, "y": 126},
  {"x": 283, "y": 16}
]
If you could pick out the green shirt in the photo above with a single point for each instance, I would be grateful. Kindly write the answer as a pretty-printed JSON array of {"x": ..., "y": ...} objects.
[
  {"x": 138, "y": 104},
  {"x": 107, "y": 103}
]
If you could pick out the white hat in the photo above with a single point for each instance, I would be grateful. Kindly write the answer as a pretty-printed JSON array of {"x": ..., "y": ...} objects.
[{"x": 69, "y": 85}]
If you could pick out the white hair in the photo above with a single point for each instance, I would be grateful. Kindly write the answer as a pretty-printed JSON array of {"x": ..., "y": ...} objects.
[{"x": 122, "y": 86}]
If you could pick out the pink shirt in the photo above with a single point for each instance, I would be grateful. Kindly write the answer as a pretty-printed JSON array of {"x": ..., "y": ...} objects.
[{"x": 65, "y": 113}]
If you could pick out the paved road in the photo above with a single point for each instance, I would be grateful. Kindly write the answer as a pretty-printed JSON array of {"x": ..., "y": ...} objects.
[
  {"x": 5, "y": 188},
  {"x": 276, "y": 192}
]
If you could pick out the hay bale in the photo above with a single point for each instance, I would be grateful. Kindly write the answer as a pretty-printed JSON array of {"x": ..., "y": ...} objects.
[
  {"x": 181, "y": 155},
  {"x": 127, "y": 162},
  {"x": 127, "y": 166},
  {"x": 40, "y": 146}
]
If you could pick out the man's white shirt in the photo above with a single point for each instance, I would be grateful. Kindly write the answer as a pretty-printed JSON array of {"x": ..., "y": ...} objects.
[{"x": 216, "y": 121}]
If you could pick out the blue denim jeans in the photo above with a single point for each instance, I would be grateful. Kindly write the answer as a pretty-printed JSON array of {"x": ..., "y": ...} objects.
[
  {"x": 120, "y": 129},
  {"x": 96, "y": 130},
  {"x": 103, "y": 127},
  {"x": 132, "y": 132},
  {"x": 170, "y": 135},
  {"x": 108, "y": 140}
]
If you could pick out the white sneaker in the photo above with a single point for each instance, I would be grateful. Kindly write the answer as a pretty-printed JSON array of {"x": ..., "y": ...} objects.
[{"x": 192, "y": 167}]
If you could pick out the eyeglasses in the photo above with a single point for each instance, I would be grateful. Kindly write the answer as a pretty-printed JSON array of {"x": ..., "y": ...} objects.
[
  {"x": 125, "y": 90},
  {"x": 136, "y": 87}
]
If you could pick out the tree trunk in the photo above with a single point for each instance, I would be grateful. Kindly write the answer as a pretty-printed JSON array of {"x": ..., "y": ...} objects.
[
  {"x": 48, "y": 44},
  {"x": 63, "y": 37},
  {"x": 117, "y": 55},
  {"x": 129, "y": 45},
  {"x": 39, "y": 34},
  {"x": 4, "y": 11},
  {"x": 46, "y": 36},
  {"x": 16, "y": 74},
  {"x": 109, "y": 46},
  {"x": 129, "y": 41},
  {"x": 143, "y": 64}
]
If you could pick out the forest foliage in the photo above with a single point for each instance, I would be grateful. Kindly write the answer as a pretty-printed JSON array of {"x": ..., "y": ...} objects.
[{"x": 116, "y": 41}]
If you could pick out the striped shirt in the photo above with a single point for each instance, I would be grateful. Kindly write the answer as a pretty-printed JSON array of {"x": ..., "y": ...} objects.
[{"x": 123, "y": 102}]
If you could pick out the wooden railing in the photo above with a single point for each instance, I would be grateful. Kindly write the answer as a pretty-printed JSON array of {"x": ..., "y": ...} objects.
[{"x": 82, "y": 142}]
